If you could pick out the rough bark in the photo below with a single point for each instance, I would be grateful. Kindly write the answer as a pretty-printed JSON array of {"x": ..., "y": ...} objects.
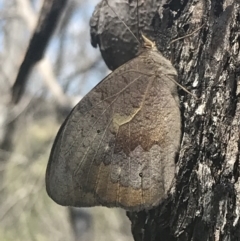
[
  {"x": 116, "y": 43},
  {"x": 204, "y": 201}
]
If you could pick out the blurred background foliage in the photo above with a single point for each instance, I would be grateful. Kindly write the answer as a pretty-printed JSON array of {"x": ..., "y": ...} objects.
[{"x": 70, "y": 68}]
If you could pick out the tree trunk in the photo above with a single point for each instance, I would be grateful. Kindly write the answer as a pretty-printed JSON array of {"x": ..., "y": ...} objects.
[
  {"x": 49, "y": 16},
  {"x": 204, "y": 201}
]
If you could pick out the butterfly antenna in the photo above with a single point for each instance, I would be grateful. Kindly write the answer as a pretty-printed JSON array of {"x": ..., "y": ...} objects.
[
  {"x": 188, "y": 35},
  {"x": 138, "y": 35},
  {"x": 123, "y": 22},
  {"x": 183, "y": 88}
]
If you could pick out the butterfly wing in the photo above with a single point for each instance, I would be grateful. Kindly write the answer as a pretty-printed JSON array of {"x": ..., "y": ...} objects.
[{"x": 117, "y": 147}]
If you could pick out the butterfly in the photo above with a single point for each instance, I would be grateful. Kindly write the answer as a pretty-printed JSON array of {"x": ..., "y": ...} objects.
[{"x": 118, "y": 145}]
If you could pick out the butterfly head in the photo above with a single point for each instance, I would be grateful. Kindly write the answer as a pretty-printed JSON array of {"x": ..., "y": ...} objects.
[{"x": 147, "y": 43}]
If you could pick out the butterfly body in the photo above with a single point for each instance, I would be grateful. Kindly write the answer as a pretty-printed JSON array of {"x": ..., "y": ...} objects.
[{"x": 117, "y": 147}]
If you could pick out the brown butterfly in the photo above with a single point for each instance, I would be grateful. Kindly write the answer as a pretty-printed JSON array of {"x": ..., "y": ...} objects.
[{"x": 117, "y": 147}]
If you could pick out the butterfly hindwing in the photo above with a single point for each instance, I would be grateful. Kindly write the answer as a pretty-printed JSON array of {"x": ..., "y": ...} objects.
[{"x": 117, "y": 146}]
